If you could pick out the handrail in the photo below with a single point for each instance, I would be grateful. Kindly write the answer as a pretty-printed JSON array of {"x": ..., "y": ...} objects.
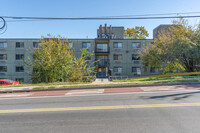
[
  {"x": 118, "y": 77},
  {"x": 102, "y": 62}
]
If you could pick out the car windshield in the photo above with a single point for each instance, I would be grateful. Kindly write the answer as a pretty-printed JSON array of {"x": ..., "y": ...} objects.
[{"x": 10, "y": 81}]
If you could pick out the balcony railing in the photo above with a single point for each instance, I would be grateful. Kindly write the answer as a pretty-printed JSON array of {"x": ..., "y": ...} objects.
[
  {"x": 98, "y": 50},
  {"x": 102, "y": 62}
]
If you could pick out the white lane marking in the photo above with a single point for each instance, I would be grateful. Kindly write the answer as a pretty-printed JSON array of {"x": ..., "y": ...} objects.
[
  {"x": 103, "y": 94},
  {"x": 78, "y": 92},
  {"x": 160, "y": 88},
  {"x": 15, "y": 95}
]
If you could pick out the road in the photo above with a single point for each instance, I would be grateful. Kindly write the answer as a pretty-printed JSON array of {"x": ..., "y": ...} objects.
[{"x": 142, "y": 112}]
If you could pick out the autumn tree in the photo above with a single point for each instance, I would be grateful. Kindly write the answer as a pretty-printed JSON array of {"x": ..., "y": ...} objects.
[
  {"x": 139, "y": 32},
  {"x": 54, "y": 61},
  {"x": 177, "y": 48}
]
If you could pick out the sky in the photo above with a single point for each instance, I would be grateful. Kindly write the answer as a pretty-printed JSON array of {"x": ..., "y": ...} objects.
[{"x": 87, "y": 8}]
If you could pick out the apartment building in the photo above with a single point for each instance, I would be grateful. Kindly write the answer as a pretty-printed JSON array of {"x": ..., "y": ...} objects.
[{"x": 116, "y": 56}]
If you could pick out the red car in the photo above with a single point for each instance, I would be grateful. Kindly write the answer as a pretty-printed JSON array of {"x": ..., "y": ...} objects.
[{"x": 8, "y": 82}]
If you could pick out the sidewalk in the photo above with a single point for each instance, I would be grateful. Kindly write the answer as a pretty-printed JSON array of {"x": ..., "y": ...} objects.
[
  {"x": 90, "y": 86},
  {"x": 101, "y": 91}
]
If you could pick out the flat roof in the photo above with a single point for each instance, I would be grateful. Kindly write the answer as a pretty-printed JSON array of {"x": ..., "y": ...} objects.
[{"x": 70, "y": 39}]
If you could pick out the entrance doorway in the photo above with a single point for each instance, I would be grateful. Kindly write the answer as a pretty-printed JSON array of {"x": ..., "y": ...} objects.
[{"x": 102, "y": 72}]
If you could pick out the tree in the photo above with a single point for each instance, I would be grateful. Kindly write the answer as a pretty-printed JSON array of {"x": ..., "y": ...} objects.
[
  {"x": 174, "y": 49},
  {"x": 54, "y": 61},
  {"x": 81, "y": 68},
  {"x": 136, "y": 33}
]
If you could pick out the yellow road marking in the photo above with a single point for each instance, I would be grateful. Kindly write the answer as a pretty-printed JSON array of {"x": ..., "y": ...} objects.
[{"x": 99, "y": 107}]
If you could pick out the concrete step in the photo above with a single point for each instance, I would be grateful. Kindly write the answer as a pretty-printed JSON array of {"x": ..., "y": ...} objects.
[{"x": 101, "y": 80}]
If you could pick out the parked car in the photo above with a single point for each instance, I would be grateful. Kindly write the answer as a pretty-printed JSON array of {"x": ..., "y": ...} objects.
[{"x": 8, "y": 82}]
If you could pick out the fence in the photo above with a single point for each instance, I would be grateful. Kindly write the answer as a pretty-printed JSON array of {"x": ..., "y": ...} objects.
[{"x": 118, "y": 77}]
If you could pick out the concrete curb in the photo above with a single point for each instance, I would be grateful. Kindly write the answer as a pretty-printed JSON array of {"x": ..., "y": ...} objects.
[{"x": 98, "y": 87}]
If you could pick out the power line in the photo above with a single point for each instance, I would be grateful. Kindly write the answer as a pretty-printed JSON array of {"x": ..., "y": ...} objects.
[
  {"x": 25, "y": 20},
  {"x": 3, "y": 28},
  {"x": 104, "y": 17},
  {"x": 4, "y": 23},
  {"x": 123, "y": 17},
  {"x": 178, "y": 13},
  {"x": 155, "y": 14},
  {"x": 99, "y": 18}
]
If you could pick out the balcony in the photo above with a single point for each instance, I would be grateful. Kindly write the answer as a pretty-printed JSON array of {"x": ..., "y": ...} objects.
[
  {"x": 98, "y": 50},
  {"x": 102, "y": 48},
  {"x": 137, "y": 62},
  {"x": 102, "y": 62}
]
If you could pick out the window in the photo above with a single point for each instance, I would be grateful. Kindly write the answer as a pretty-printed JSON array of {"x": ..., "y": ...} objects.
[
  {"x": 135, "y": 57},
  {"x": 136, "y": 70},
  {"x": 3, "y": 68},
  {"x": 117, "y": 70},
  {"x": 153, "y": 70},
  {"x": 37, "y": 44},
  {"x": 136, "y": 45},
  {"x": 3, "y": 45},
  {"x": 117, "y": 57},
  {"x": 19, "y": 56},
  {"x": 86, "y": 45},
  {"x": 10, "y": 81},
  {"x": 102, "y": 47},
  {"x": 20, "y": 80},
  {"x": 19, "y": 44},
  {"x": 19, "y": 69},
  {"x": 3, "y": 56},
  {"x": 70, "y": 44},
  {"x": 117, "y": 45}
]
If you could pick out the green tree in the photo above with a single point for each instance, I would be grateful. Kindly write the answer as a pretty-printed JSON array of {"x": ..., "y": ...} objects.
[
  {"x": 54, "y": 61},
  {"x": 81, "y": 68},
  {"x": 136, "y": 33},
  {"x": 174, "y": 49}
]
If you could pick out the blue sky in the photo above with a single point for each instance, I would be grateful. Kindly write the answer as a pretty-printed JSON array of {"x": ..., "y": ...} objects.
[{"x": 86, "y": 8}]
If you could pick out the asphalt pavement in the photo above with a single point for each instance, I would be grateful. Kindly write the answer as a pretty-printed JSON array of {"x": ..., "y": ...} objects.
[{"x": 145, "y": 112}]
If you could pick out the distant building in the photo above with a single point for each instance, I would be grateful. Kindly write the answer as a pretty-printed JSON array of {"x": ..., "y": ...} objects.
[{"x": 159, "y": 29}]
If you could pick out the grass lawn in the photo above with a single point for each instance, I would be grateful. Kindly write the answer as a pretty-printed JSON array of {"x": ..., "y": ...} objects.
[
  {"x": 133, "y": 81},
  {"x": 157, "y": 78},
  {"x": 44, "y": 84},
  {"x": 121, "y": 84}
]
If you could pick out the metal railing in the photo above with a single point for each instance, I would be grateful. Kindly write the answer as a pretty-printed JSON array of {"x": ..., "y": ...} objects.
[
  {"x": 117, "y": 77},
  {"x": 102, "y": 62},
  {"x": 102, "y": 50}
]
